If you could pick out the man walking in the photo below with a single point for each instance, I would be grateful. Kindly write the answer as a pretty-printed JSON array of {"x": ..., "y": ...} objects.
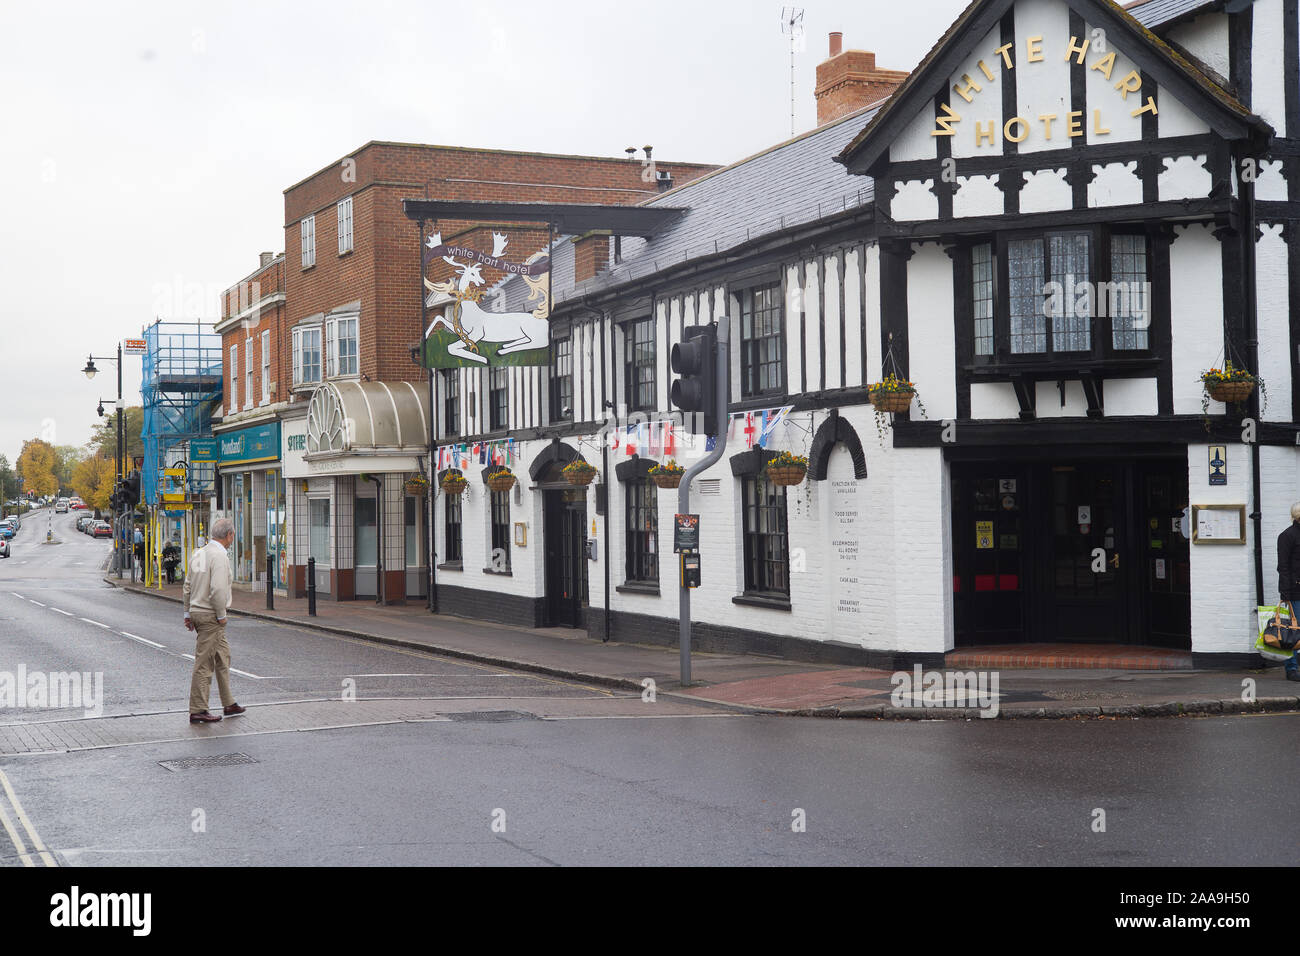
[
  {"x": 207, "y": 597},
  {"x": 1288, "y": 576}
]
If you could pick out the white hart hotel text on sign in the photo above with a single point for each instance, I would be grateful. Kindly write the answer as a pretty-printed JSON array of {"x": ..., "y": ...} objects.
[{"x": 1017, "y": 128}]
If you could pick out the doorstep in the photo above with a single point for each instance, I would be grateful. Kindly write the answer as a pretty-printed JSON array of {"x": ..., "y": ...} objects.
[{"x": 1135, "y": 657}]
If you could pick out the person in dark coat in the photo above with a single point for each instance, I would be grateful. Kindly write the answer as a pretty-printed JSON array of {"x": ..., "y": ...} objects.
[{"x": 1288, "y": 577}]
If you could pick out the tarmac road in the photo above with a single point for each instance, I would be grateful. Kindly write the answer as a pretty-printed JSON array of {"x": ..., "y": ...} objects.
[{"x": 434, "y": 752}]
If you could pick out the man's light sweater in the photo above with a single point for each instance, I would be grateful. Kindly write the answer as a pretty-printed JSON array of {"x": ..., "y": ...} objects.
[{"x": 207, "y": 586}]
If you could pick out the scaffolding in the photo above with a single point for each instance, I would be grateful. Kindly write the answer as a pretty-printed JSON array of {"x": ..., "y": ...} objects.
[{"x": 180, "y": 386}]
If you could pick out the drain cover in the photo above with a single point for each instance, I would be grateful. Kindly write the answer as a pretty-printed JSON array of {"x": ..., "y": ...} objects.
[
  {"x": 492, "y": 716},
  {"x": 200, "y": 763}
]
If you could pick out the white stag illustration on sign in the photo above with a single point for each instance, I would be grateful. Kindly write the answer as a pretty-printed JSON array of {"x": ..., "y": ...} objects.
[{"x": 472, "y": 324}]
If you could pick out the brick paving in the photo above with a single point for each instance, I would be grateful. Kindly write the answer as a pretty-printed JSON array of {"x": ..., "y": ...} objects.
[{"x": 1088, "y": 656}]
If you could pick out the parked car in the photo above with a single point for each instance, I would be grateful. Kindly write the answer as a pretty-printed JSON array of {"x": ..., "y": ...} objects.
[
  {"x": 101, "y": 529},
  {"x": 4, "y": 547},
  {"x": 82, "y": 521},
  {"x": 76, "y": 504},
  {"x": 61, "y": 506},
  {"x": 8, "y": 528}
]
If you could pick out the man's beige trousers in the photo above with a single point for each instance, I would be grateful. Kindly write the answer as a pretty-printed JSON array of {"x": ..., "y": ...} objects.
[{"x": 211, "y": 653}]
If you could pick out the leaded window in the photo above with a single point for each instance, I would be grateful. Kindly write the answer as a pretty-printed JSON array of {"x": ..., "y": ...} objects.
[
  {"x": 452, "y": 529},
  {"x": 499, "y": 397},
  {"x": 642, "y": 531},
  {"x": 762, "y": 354},
  {"x": 639, "y": 365},
  {"x": 450, "y": 401},
  {"x": 767, "y": 554},
  {"x": 1128, "y": 300},
  {"x": 500, "y": 558},
  {"x": 562, "y": 379},
  {"x": 981, "y": 262}
]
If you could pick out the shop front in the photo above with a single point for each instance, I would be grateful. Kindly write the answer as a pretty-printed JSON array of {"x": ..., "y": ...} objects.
[{"x": 253, "y": 491}]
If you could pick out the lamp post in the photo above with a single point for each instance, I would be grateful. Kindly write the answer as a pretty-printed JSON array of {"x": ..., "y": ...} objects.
[{"x": 120, "y": 456}]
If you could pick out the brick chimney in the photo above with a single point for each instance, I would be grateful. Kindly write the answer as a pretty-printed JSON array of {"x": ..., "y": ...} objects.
[
  {"x": 590, "y": 255},
  {"x": 265, "y": 259},
  {"x": 849, "y": 80}
]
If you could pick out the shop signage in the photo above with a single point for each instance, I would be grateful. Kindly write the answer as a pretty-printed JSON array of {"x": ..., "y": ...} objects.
[
  {"x": 133, "y": 347},
  {"x": 253, "y": 444},
  {"x": 1218, "y": 464},
  {"x": 204, "y": 449}
]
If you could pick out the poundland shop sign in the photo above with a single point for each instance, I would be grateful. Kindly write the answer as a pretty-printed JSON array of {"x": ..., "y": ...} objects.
[{"x": 248, "y": 445}]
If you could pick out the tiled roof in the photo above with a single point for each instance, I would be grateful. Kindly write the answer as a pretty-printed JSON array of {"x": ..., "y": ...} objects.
[
  {"x": 1154, "y": 13},
  {"x": 794, "y": 182}
]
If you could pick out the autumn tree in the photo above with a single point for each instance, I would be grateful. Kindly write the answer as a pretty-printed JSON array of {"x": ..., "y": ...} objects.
[
  {"x": 68, "y": 457},
  {"x": 93, "y": 480},
  {"x": 103, "y": 436},
  {"x": 8, "y": 480},
  {"x": 36, "y": 464}
]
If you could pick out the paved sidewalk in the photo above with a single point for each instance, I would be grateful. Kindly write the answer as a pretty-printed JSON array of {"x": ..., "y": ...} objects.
[{"x": 777, "y": 686}]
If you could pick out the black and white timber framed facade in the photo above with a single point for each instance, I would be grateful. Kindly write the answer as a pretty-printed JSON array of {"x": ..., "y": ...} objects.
[{"x": 1045, "y": 149}]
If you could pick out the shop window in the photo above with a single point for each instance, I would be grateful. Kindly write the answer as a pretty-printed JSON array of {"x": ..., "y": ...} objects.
[
  {"x": 411, "y": 514},
  {"x": 762, "y": 337},
  {"x": 499, "y": 397},
  {"x": 450, "y": 401},
  {"x": 767, "y": 553},
  {"x": 452, "y": 530},
  {"x": 642, "y": 509},
  {"x": 500, "y": 556},
  {"x": 306, "y": 355},
  {"x": 307, "y": 237},
  {"x": 639, "y": 365}
]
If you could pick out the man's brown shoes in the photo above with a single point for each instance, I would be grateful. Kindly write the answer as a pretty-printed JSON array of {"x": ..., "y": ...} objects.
[
  {"x": 234, "y": 710},
  {"x": 203, "y": 717}
]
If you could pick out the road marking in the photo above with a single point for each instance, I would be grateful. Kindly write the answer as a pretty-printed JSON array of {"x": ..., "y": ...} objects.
[
  {"x": 58, "y": 610},
  {"x": 476, "y": 676},
  {"x": 18, "y": 596},
  {"x": 142, "y": 640},
  {"x": 15, "y": 838},
  {"x": 190, "y": 656},
  {"x": 244, "y": 674},
  {"x": 37, "y": 603},
  {"x": 96, "y": 623},
  {"x": 37, "y": 845}
]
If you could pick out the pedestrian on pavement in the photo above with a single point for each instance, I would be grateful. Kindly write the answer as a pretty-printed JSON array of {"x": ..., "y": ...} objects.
[
  {"x": 1288, "y": 577},
  {"x": 171, "y": 557},
  {"x": 139, "y": 553},
  {"x": 207, "y": 599}
]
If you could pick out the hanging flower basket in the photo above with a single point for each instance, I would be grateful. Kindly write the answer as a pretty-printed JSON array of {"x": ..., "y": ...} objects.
[
  {"x": 454, "y": 483},
  {"x": 1229, "y": 385},
  {"x": 579, "y": 472},
  {"x": 893, "y": 395},
  {"x": 502, "y": 479},
  {"x": 667, "y": 475},
  {"x": 787, "y": 469},
  {"x": 417, "y": 485}
]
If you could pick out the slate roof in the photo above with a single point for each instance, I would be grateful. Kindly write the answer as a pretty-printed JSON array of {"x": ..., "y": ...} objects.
[
  {"x": 1155, "y": 13},
  {"x": 794, "y": 182}
]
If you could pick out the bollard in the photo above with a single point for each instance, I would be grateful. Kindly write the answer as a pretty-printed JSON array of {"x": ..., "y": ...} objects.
[
  {"x": 311, "y": 587},
  {"x": 270, "y": 582}
]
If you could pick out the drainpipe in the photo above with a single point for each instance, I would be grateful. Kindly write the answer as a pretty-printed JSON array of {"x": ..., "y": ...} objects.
[
  {"x": 605, "y": 331},
  {"x": 1252, "y": 356}
]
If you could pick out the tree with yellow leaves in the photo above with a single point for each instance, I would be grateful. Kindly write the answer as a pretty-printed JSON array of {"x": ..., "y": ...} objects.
[
  {"x": 36, "y": 464},
  {"x": 93, "y": 480}
]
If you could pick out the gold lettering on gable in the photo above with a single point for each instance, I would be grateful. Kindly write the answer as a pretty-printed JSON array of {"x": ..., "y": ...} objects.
[{"x": 1017, "y": 128}]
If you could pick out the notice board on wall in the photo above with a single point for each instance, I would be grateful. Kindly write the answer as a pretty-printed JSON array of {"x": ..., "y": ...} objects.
[{"x": 1218, "y": 524}]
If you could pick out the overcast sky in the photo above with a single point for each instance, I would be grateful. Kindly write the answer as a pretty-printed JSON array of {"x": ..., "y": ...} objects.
[{"x": 145, "y": 147}]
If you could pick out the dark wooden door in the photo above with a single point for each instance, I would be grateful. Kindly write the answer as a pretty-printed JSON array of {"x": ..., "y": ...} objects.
[
  {"x": 565, "y": 559},
  {"x": 1087, "y": 547}
]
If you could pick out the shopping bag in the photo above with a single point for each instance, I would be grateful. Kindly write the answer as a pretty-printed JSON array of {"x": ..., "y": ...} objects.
[{"x": 1274, "y": 625}]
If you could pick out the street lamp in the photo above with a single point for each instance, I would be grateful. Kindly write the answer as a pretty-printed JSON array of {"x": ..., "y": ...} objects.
[{"x": 119, "y": 458}]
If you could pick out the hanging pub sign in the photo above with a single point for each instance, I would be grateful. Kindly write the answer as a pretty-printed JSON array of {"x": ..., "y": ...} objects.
[{"x": 461, "y": 332}]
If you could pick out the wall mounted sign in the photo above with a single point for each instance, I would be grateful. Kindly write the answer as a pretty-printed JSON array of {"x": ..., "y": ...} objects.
[
  {"x": 1218, "y": 524},
  {"x": 133, "y": 347},
  {"x": 204, "y": 449},
  {"x": 984, "y": 535},
  {"x": 253, "y": 444},
  {"x": 1218, "y": 455},
  {"x": 1072, "y": 123},
  {"x": 463, "y": 333}
]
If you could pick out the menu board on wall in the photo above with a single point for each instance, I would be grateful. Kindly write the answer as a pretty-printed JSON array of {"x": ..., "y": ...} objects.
[{"x": 1218, "y": 524}]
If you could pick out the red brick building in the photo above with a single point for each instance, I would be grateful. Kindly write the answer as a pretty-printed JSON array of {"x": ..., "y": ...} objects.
[{"x": 345, "y": 316}]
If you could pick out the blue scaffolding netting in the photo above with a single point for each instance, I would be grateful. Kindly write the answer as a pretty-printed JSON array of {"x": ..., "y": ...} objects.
[{"x": 180, "y": 386}]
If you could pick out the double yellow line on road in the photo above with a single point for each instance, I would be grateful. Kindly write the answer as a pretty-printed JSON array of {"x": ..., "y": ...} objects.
[{"x": 38, "y": 848}]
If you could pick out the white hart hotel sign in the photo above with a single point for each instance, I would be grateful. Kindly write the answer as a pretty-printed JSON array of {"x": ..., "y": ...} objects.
[{"x": 1089, "y": 51}]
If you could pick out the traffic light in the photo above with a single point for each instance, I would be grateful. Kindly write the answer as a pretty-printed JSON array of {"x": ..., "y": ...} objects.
[
  {"x": 132, "y": 489},
  {"x": 695, "y": 360}
]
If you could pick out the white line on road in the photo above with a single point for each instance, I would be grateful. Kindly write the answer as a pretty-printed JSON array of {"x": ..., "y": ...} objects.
[
  {"x": 37, "y": 603},
  {"x": 96, "y": 623},
  {"x": 190, "y": 656},
  {"x": 18, "y": 596},
  {"x": 58, "y": 610},
  {"x": 142, "y": 640},
  {"x": 244, "y": 674}
]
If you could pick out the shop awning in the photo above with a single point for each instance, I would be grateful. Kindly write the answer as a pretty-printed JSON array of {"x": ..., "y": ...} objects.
[{"x": 363, "y": 421}]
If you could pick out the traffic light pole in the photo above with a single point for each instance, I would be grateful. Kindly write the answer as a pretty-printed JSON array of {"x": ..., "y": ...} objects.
[
  {"x": 723, "y": 395},
  {"x": 121, "y": 458}
]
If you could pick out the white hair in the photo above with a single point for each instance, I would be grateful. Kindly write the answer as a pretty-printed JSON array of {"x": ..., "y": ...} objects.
[
  {"x": 221, "y": 528},
  {"x": 1295, "y": 511}
]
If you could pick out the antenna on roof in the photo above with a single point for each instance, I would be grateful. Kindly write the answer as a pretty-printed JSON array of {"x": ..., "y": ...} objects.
[{"x": 792, "y": 26}]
